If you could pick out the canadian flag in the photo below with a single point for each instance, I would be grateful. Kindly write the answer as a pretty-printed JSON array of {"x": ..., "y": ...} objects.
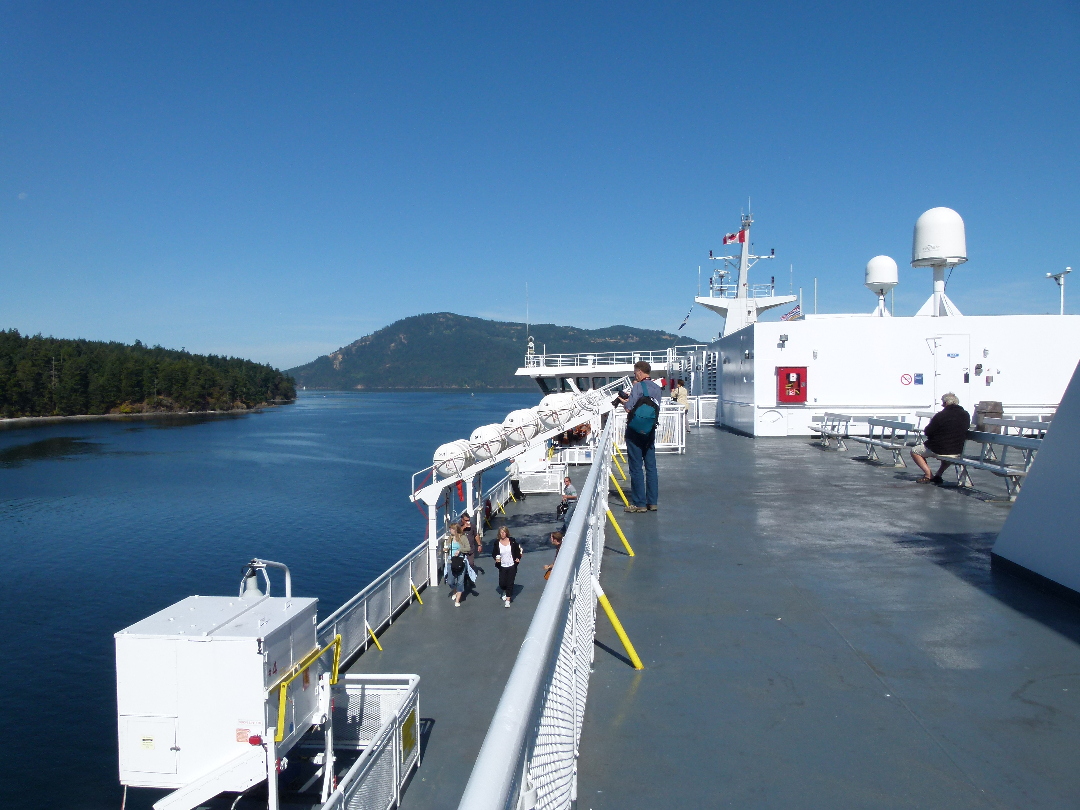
[{"x": 735, "y": 237}]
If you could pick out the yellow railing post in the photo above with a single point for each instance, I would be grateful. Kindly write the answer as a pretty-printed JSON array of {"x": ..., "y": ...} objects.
[
  {"x": 372, "y": 634},
  {"x": 416, "y": 593},
  {"x": 298, "y": 669},
  {"x": 618, "y": 530},
  {"x": 617, "y": 487},
  {"x": 610, "y": 611},
  {"x": 618, "y": 467}
]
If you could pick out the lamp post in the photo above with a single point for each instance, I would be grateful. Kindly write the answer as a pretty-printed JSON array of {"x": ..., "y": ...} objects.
[{"x": 1060, "y": 279}]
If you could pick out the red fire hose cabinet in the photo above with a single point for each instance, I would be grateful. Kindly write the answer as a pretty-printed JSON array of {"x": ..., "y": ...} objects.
[{"x": 790, "y": 385}]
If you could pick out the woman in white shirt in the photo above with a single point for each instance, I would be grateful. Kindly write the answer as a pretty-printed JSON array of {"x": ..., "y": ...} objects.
[{"x": 507, "y": 555}]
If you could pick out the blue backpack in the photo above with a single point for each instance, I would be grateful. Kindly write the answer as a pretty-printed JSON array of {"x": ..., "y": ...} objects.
[{"x": 645, "y": 416}]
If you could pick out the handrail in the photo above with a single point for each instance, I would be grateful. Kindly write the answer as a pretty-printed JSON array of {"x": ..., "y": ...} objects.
[
  {"x": 374, "y": 585},
  {"x": 298, "y": 669},
  {"x": 500, "y": 765}
]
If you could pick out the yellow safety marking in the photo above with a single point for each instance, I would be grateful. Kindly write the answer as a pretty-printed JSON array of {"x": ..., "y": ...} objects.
[
  {"x": 551, "y": 451},
  {"x": 618, "y": 530},
  {"x": 416, "y": 593},
  {"x": 372, "y": 634},
  {"x": 501, "y": 509},
  {"x": 513, "y": 498},
  {"x": 625, "y": 639},
  {"x": 298, "y": 670},
  {"x": 618, "y": 467},
  {"x": 618, "y": 452},
  {"x": 621, "y": 493}
]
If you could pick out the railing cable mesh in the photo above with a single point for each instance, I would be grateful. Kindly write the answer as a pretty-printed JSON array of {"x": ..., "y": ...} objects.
[{"x": 531, "y": 747}]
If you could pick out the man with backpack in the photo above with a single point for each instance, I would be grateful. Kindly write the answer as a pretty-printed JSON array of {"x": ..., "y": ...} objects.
[{"x": 642, "y": 417}]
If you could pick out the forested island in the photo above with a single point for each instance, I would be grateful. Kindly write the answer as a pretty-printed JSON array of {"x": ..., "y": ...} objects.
[
  {"x": 444, "y": 351},
  {"x": 44, "y": 376}
]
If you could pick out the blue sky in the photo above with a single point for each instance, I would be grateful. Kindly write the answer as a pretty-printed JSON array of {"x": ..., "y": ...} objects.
[{"x": 275, "y": 180}]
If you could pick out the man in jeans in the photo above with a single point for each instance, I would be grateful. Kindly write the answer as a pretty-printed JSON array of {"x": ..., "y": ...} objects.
[{"x": 640, "y": 452}]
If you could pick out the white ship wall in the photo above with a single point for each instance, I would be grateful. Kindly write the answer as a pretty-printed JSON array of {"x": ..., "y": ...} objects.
[{"x": 871, "y": 366}]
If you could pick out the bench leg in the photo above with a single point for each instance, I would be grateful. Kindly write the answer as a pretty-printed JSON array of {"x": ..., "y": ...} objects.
[
  {"x": 898, "y": 458},
  {"x": 1013, "y": 484},
  {"x": 840, "y": 446}
]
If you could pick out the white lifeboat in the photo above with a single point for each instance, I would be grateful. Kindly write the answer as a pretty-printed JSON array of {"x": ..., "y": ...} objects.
[
  {"x": 451, "y": 458},
  {"x": 521, "y": 425},
  {"x": 487, "y": 441},
  {"x": 555, "y": 409}
]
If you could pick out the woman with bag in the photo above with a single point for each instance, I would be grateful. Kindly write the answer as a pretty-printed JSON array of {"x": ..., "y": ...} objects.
[
  {"x": 507, "y": 555},
  {"x": 454, "y": 564}
]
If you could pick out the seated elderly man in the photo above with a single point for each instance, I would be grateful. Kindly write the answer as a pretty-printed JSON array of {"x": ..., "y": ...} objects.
[{"x": 945, "y": 436}]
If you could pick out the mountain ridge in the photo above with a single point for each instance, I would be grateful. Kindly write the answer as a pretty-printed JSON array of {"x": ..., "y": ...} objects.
[{"x": 446, "y": 351}]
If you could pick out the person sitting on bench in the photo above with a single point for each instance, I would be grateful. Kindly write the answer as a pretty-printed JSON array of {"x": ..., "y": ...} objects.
[{"x": 945, "y": 436}]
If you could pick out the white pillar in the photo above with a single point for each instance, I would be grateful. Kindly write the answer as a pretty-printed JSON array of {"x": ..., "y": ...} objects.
[
  {"x": 433, "y": 544},
  {"x": 939, "y": 289}
]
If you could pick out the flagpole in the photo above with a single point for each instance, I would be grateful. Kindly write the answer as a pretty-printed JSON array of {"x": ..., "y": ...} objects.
[{"x": 801, "y": 315}]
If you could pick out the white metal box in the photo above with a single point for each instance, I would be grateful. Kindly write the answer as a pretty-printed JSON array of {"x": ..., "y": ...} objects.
[{"x": 195, "y": 681}]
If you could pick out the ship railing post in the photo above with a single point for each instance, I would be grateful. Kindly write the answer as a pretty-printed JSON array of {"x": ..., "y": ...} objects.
[{"x": 433, "y": 544}]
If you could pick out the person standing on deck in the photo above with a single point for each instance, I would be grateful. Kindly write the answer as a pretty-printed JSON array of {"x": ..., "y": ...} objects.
[
  {"x": 945, "y": 436},
  {"x": 515, "y": 480},
  {"x": 643, "y": 415},
  {"x": 455, "y": 564},
  {"x": 681, "y": 398},
  {"x": 507, "y": 554}
]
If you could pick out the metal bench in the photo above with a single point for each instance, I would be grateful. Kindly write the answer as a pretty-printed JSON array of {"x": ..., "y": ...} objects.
[
  {"x": 891, "y": 435},
  {"x": 994, "y": 461},
  {"x": 1021, "y": 426},
  {"x": 833, "y": 427}
]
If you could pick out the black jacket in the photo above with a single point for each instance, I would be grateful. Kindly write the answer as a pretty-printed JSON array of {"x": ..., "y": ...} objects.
[
  {"x": 947, "y": 431},
  {"x": 515, "y": 550}
]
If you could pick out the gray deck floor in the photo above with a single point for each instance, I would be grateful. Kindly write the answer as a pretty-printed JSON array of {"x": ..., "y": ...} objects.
[
  {"x": 464, "y": 655},
  {"x": 818, "y": 632}
]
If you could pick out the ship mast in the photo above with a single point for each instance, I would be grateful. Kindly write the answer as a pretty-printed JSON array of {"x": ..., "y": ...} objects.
[{"x": 740, "y": 303}]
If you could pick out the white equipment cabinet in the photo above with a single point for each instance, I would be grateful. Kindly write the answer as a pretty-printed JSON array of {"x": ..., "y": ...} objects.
[{"x": 196, "y": 688}]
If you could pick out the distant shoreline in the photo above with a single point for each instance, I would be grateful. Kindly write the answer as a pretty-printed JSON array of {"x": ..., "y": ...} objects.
[
  {"x": 534, "y": 389},
  {"x": 41, "y": 421}
]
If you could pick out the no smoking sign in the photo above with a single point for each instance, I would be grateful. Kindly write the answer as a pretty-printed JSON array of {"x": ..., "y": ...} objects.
[{"x": 905, "y": 379}]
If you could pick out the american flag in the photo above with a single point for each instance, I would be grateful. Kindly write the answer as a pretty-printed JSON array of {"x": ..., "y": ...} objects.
[{"x": 795, "y": 313}]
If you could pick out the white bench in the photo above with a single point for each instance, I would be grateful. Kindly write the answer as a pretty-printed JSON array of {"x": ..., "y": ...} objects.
[
  {"x": 1021, "y": 426},
  {"x": 891, "y": 435},
  {"x": 994, "y": 461},
  {"x": 833, "y": 427}
]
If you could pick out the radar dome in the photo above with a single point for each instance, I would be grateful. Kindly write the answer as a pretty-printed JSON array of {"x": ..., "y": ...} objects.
[
  {"x": 939, "y": 239},
  {"x": 881, "y": 275}
]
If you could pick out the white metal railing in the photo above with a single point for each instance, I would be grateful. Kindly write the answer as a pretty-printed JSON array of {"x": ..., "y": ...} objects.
[
  {"x": 670, "y": 431},
  {"x": 602, "y": 359},
  {"x": 702, "y": 410},
  {"x": 375, "y": 606},
  {"x": 530, "y": 750},
  {"x": 731, "y": 290},
  {"x": 379, "y": 715}
]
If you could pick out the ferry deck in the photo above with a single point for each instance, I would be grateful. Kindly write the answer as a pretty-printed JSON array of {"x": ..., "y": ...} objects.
[{"x": 816, "y": 631}]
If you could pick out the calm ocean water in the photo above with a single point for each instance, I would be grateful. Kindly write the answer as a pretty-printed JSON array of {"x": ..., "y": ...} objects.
[{"x": 104, "y": 523}]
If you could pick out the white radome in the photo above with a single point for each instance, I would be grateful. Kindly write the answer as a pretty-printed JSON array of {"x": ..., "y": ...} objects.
[
  {"x": 451, "y": 458},
  {"x": 521, "y": 425},
  {"x": 487, "y": 441},
  {"x": 939, "y": 239},
  {"x": 881, "y": 274}
]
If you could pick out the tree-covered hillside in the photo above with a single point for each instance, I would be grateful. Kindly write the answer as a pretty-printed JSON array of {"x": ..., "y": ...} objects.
[
  {"x": 42, "y": 376},
  {"x": 446, "y": 351}
]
